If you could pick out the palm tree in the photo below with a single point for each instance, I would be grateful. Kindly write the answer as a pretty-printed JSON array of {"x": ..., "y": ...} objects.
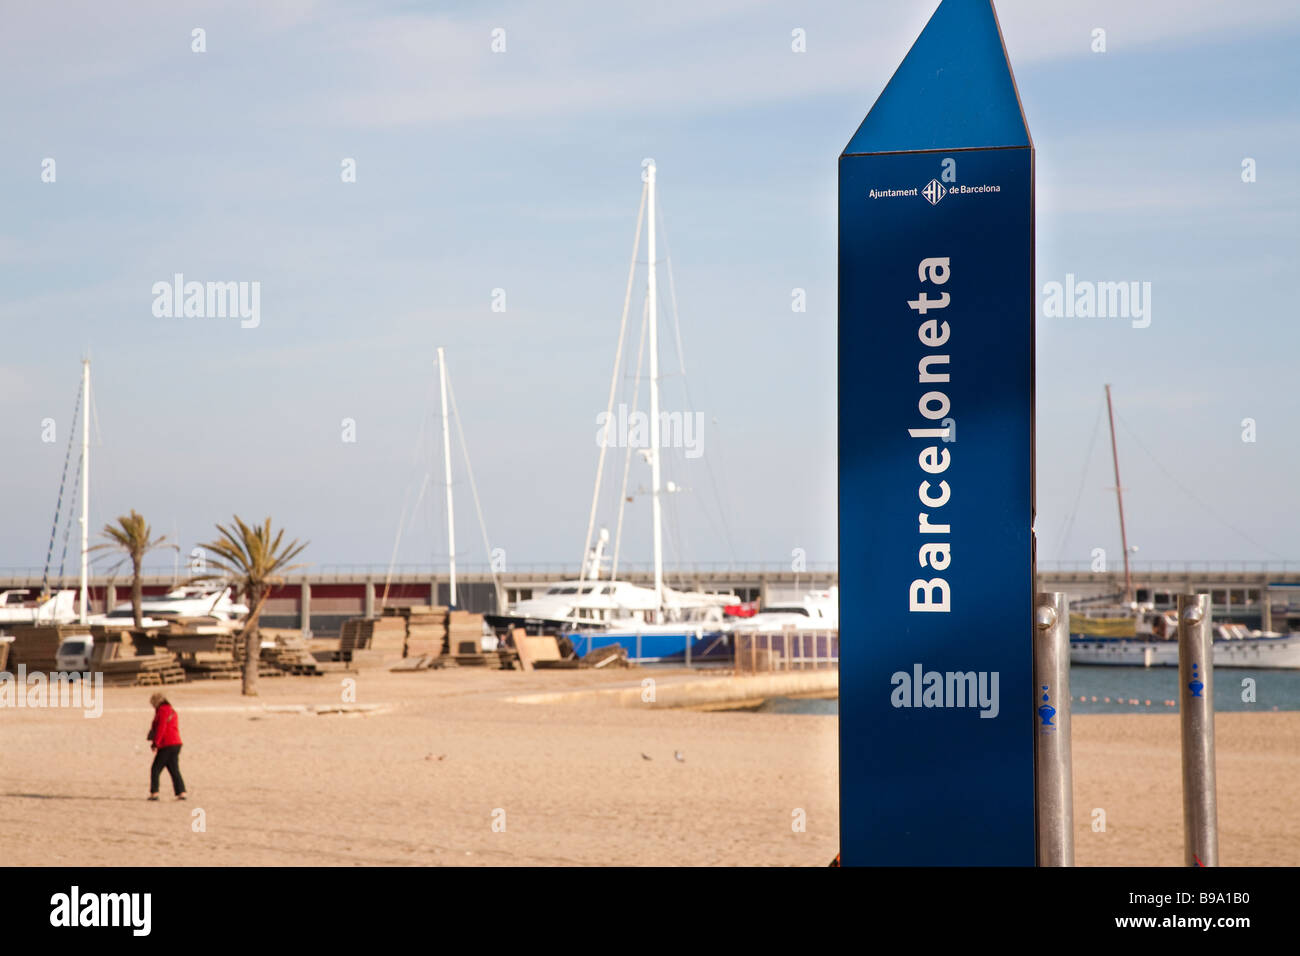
[
  {"x": 256, "y": 561},
  {"x": 131, "y": 536}
]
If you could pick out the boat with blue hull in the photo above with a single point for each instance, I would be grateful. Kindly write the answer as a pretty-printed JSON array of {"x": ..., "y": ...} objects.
[
  {"x": 652, "y": 644},
  {"x": 652, "y": 623}
]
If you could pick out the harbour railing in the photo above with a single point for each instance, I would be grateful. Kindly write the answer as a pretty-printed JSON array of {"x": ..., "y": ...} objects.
[
  {"x": 547, "y": 568},
  {"x": 1178, "y": 567},
  {"x": 787, "y": 650}
]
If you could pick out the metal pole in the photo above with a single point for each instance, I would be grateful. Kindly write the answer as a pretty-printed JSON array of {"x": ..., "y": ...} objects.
[
  {"x": 1053, "y": 778},
  {"x": 1196, "y": 707},
  {"x": 655, "y": 485},
  {"x": 85, "y": 492},
  {"x": 446, "y": 459},
  {"x": 1119, "y": 496}
]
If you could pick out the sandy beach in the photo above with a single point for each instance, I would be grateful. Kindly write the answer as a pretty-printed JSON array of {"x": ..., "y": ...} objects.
[
  {"x": 298, "y": 788},
  {"x": 1130, "y": 767},
  {"x": 448, "y": 771}
]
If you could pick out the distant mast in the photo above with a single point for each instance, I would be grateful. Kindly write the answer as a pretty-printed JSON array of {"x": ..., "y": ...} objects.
[
  {"x": 654, "y": 396},
  {"x": 85, "y": 492},
  {"x": 446, "y": 460},
  {"x": 1119, "y": 496}
]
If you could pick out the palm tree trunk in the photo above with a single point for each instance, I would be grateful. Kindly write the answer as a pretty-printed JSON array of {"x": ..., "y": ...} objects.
[
  {"x": 137, "y": 592},
  {"x": 253, "y": 642}
]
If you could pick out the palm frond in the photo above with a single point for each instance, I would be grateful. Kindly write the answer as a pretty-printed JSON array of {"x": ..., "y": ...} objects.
[{"x": 252, "y": 553}]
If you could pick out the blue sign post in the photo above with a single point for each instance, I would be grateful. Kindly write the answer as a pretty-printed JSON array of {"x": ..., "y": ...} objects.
[{"x": 936, "y": 443}]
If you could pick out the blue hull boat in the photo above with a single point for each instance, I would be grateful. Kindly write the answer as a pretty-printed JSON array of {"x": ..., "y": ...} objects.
[{"x": 656, "y": 645}]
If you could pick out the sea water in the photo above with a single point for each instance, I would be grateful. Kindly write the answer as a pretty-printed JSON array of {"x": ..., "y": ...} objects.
[
  {"x": 1268, "y": 690},
  {"x": 1235, "y": 689}
]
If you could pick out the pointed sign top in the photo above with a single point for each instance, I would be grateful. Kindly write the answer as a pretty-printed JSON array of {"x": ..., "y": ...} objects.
[{"x": 953, "y": 90}]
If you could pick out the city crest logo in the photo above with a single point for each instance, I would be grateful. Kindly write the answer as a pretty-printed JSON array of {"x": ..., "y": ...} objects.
[{"x": 933, "y": 192}]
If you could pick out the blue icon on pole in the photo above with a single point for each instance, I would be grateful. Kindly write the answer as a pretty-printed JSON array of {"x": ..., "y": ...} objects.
[
  {"x": 1195, "y": 685},
  {"x": 1046, "y": 711}
]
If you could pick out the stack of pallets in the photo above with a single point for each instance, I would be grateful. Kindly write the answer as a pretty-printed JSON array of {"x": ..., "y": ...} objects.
[
  {"x": 349, "y": 634},
  {"x": 146, "y": 671},
  {"x": 111, "y": 644},
  {"x": 426, "y": 630},
  {"x": 502, "y": 659},
  {"x": 264, "y": 667},
  {"x": 464, "y": 633},
  {"x": 384, "y": 634},
  {"x": 205, "y": 653},
  {"x": 37, "y": 645},
  {"x": 211, "y": 665},
  {"x": 292, "y": 654},
  {"x": 387, "y": 635}
]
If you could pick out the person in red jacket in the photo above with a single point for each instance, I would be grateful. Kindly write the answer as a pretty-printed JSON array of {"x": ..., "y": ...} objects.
[{"x": 166, "y": 736}]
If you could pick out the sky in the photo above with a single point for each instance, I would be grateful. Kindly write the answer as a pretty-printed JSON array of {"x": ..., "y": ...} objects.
[{"x": 512, "y": 178}]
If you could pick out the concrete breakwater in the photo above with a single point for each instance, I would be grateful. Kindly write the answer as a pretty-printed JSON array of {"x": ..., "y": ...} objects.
[{"x": 693, "y": 691}]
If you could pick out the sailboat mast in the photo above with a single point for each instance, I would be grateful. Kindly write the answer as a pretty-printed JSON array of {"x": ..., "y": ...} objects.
[
  {"x": 654, "y": 397},
  {"x": 85, "y": 492},
  {"x": 446, "y": 462},
  {"x": 1119, "y": 496}
]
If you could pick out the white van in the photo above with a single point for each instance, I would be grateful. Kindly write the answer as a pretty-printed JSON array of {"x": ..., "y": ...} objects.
[{"x": 74, "y": 653}]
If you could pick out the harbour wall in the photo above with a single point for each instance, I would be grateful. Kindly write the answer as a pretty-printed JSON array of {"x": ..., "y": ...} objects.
[{"x": 321, "y": 599}]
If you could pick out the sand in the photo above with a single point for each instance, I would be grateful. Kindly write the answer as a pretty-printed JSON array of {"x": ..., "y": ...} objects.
[
  {"x": 351, "y": 790},
  {"x": 1129, "y": 766},
  {"x": 451, "y": 772}
]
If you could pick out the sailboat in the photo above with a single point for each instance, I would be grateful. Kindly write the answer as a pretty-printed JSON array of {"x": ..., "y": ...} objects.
[
  {"x": 448, "y": 410},
  {"x": 652, "y": 623},
  {"x": 60, "y": 607},
  {"x": 1139, "y": 635}
]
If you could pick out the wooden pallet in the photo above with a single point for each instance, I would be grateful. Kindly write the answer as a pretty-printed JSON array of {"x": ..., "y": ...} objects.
[
  {"x": 144, "y": 677},
  {"x": 492, "y": 660},
  {"x": 214, "y": 674},
  {"x": 37, "y": 644},
  {"x": 293, "y": 655}
]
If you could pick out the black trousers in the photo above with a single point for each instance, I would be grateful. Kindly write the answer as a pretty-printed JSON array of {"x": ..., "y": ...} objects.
[{"x": 169, "y": 757}]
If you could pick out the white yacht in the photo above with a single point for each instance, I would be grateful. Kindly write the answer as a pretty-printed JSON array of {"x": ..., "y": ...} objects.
[
  {"x": 652, "y": 623},
  {"x": 606, "y": 604},
  {"x": 19, "y": 607},
  {"x": 1148, "y": 638},
  {"x": 189, "y": 601},
  {"x": 815, "y": 611}
]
